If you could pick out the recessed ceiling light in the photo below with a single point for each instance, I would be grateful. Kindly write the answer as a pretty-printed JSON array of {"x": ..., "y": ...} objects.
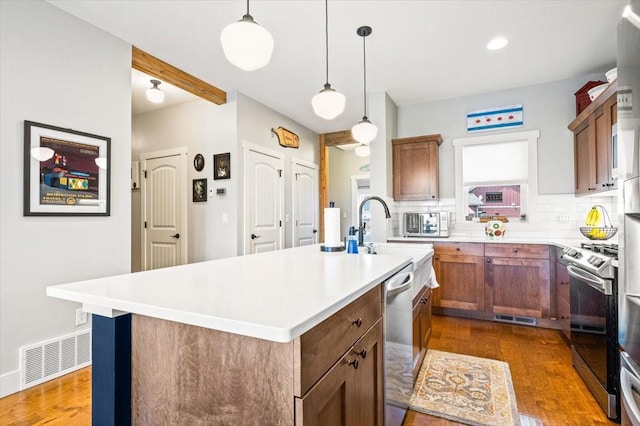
[{"x": 497, "y": 43}]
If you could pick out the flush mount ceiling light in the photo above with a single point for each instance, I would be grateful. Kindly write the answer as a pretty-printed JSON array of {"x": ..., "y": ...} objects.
[
  {"x": 246, "y": 44},
  {"x": 364, "y": 131},
  {"x": 154, "y": 94},
  {"x": 497, "y": 43},
  {"x": 363, "y": 151},
  {"x": 329, "y": 103}
]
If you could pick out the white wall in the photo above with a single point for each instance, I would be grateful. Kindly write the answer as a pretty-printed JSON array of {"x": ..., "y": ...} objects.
[
  {"x": 57, "y": 70},
  {"x": 197, "y": 126},
  {"x": 549, "y": 107},
  {"x": 255, "y": 122}
]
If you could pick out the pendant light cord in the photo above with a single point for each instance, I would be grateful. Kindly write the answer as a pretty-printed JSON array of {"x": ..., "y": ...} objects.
[
  {"x": 247, "y": 7},
  {"x": 364, "y": 55},
  {"x": 326, "y": 37}
]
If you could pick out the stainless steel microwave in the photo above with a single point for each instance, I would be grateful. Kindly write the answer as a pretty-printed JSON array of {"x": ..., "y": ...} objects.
[{"x": 432, "y": 224}]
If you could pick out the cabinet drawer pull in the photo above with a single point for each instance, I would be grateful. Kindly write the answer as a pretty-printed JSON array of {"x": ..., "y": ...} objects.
[
  {"x": 488, "y": 260},
  {"x": 353, "y": 363},
  {"x": 424, "y": 300},
  {"x": 357, "y": 322},
  {"x": 591, "y": 189},
  {"x": 362, "y": 353},
  {"x": 515, "y": 250},
  {"x": 457, "y": 248}
]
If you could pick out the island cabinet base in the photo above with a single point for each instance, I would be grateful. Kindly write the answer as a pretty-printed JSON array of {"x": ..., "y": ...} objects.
[{"x": 184, "y": 374}]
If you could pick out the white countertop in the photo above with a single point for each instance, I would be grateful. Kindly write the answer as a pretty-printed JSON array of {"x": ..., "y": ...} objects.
[{"x": 275, "y": 296}]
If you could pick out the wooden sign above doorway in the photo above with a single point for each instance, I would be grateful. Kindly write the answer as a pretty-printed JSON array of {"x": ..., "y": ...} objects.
[{"x": 286, "y": 138}]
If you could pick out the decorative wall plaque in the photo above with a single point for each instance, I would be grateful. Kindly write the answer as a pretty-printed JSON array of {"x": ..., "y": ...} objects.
[{"x": 286, "y": 138}]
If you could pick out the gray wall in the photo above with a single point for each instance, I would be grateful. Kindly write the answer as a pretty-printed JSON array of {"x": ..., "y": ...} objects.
[
  {"x": 549, "y": 107},
  {"x": 57, "y": 70}
]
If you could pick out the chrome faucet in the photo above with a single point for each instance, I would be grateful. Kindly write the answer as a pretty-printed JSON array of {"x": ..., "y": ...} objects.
[{"x": 361, "y": 224}]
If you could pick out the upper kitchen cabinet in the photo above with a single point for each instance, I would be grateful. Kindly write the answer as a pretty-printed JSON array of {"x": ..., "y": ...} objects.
[
  {"x": 593, "y": 147},
  {"x": 415, "y": 168}
]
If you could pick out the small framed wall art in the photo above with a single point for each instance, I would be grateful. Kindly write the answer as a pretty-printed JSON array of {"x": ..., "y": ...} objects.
[
  {"x": 66, "y": 172},
  {"x": 222, "y": 166},
  {"x": 199, "y": 190},
  {"x": 198, "y": 162}
]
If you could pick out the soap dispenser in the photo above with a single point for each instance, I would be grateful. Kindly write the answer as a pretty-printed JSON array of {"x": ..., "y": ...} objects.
[{"x": 352, "y": 241}]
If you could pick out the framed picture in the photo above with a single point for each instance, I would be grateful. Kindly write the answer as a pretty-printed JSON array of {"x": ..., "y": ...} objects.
[
  {"x": 198, "y": 162},
  {"x": 199, "y": 190},
  {"x": 66, "y": 172},
  {"x": 222, "y": 166}
]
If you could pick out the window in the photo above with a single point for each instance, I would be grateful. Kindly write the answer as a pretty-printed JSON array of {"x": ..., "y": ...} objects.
[{"x": 496, "y": 175}]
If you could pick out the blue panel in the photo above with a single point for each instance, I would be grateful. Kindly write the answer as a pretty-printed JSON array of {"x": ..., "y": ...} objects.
[{"x": 111, "y": 371}]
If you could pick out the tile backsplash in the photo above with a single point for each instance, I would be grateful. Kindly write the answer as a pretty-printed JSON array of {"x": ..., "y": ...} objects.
[{"x": 556, "y": 215}]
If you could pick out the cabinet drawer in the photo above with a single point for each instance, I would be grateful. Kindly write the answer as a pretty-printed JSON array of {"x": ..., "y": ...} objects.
[
  {"x": 466, "y": 249},
  {"x": 518, "y": 251},
  {"x": 319, "y": 348}
]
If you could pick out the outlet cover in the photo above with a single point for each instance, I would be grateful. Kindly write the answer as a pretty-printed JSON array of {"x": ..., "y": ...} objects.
[{"x": 81, "y": 317}]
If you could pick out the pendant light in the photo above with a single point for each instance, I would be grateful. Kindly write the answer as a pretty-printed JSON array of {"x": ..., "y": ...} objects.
[
  {"x": 329, "y": 103},
  {"x": 363, "y": 151},
  {"x": 154, "y": 94},
  {"x": 246, "y": 44},
  {"x": 364, "y": 132}
]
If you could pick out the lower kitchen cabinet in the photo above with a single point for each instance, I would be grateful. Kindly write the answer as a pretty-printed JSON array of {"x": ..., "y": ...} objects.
[
  {"x": 421, "y": 327},
  {"x": 562, "y": 299},
  {"x": 460, "y": 272},
  {"x": 517, "y": 280},
  {"x": 350, "y": 393}
]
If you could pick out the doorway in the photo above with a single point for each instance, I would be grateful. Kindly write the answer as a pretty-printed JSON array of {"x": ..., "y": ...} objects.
[{"x": 304, "y": 203}]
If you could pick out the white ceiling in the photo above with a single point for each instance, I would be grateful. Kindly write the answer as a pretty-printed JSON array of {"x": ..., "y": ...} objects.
[{"x": 419, "y": 51}]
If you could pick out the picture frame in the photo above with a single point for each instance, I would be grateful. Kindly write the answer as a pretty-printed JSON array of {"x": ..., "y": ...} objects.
[
  {"x": 222, "y": 166},
  {"x": 66, "y": 172},
  {"x": 198, "y": 162},
  {"x": 199, "y": 189}
]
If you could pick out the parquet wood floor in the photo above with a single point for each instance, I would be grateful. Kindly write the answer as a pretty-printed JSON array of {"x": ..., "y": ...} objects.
[{"x": 548, "y": 390}]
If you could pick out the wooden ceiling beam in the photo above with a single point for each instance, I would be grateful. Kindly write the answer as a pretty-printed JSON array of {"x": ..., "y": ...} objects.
[{"x": 149, "y": 64}]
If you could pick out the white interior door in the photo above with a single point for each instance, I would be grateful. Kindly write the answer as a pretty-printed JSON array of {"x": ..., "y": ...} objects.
[
  {"x": 264, "y": 200},
  {"x": 305, "y": 203},
  {"x": 164, "y": 209}
]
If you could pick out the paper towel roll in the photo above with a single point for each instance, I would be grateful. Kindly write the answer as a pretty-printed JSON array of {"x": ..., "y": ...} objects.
[{"x": 332, "y": 227}]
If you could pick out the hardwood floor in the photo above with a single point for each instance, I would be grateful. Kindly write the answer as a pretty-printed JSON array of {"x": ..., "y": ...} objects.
[{"x": 548, "y": 390}]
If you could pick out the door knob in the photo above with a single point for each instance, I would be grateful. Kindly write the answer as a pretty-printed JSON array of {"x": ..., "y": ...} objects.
[
  {"x": 176, "y": 236},
  {"x": 315, "y": 230},
  {"x": 254, "y": 236}
]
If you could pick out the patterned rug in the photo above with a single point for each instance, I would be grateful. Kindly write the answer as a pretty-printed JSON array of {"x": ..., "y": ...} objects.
[{"x": 465, "y": 389}]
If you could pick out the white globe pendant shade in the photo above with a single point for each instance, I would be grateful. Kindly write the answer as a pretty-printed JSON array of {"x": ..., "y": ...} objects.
[
  {"x": 246, "y": 44},
  {"x": 364, "y": 131},
  {"x": 154, "y": 94},
  {"x": 363, "y": 151},
  {"x": 328, "y": 104}
]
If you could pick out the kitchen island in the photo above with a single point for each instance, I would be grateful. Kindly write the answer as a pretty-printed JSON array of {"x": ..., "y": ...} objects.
[{"x": 271, "y": 338}]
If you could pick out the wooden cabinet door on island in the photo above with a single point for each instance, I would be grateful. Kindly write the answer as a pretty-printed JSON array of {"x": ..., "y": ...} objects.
[
  {"x": 517, "y": 280},
  {"x": 421, "y": 327},
  {"x": 351, "y": 392},
  {"x": 460, "y": 272},
  {"x": 415, "y": 168}
]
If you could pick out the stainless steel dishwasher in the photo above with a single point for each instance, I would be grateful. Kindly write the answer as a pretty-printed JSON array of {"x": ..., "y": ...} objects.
[{"x": 398, "y": 339}]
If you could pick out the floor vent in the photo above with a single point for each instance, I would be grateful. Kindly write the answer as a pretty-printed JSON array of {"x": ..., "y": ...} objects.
[
  {"x": 514, "y": 320},
  {"x": 47, "y": 360}
]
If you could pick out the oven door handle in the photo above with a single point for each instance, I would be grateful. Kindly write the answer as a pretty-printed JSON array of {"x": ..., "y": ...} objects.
[{"x": 602, "y": 285}]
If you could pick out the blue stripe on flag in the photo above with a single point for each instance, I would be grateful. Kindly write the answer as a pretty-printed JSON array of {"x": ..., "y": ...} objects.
[{"x": 496, "y": 126}]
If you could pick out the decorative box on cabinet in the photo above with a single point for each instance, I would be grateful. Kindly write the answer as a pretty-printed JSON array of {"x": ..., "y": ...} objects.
[
  {"x": 415, "y": 168},
  {"x": 593, "y": 145}
]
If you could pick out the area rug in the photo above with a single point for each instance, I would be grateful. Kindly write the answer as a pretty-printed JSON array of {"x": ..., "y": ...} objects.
[{"x": 465, "y": 389}]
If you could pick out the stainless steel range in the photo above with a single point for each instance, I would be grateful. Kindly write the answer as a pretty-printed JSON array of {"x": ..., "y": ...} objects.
[{"x": 594, "y": 320}]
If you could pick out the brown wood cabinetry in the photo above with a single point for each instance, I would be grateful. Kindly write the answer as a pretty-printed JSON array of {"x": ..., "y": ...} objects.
[
  {"x": 350, "y": 393},
  {"x": 517, "y": 280},
  {"x": 592, "y": 144},
  {"x": 415, "y": 168},
  {"x": 460, "y": 272},
  {"x": 421, "y": 327},
  {"x": 562, "y": 298},
  {"x": 331, "y": 375}
]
